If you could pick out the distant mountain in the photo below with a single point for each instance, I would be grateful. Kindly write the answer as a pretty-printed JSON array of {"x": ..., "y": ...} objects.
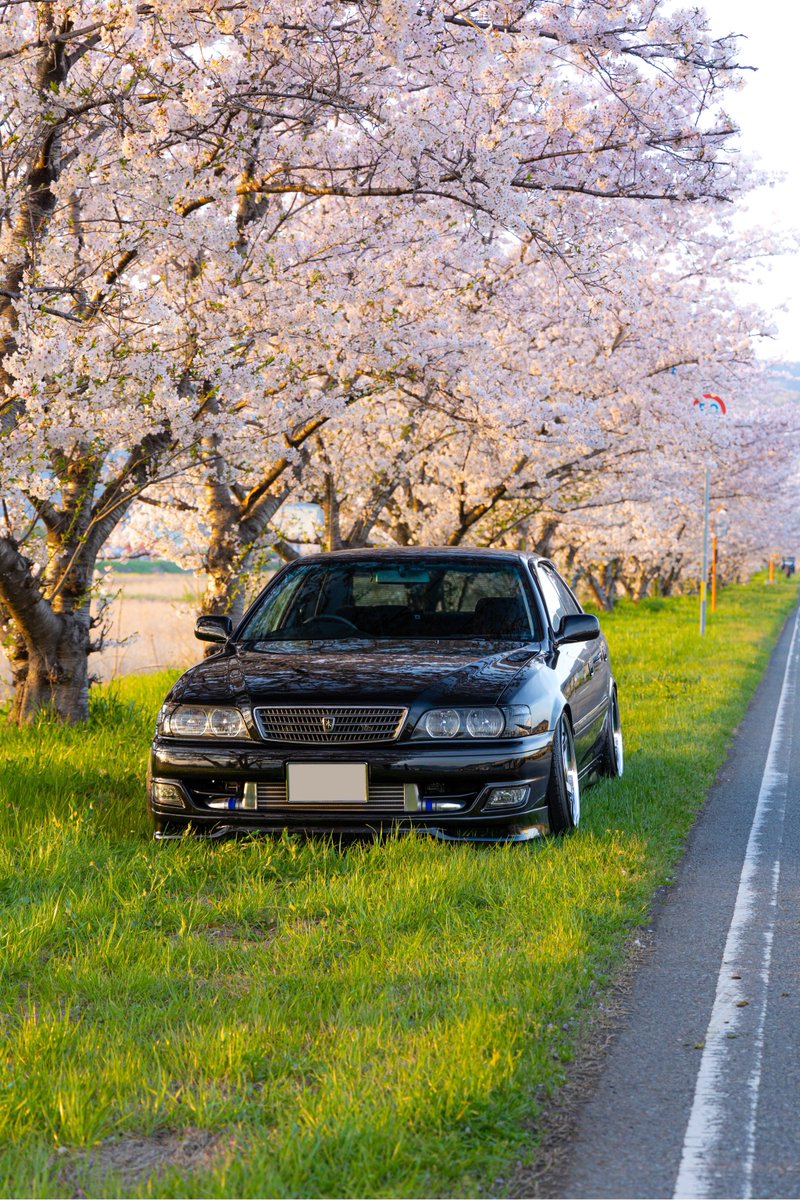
[{"x": 787, "y": 375}]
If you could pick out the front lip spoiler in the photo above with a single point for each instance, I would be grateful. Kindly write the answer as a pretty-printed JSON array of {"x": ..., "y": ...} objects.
[
  {"x": 441, "y": 835},
  {"x": 217, "y": 832},
  {"x": 522, "y": 835}
]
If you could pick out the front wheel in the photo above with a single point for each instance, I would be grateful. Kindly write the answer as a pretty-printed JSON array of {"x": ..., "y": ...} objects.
[
  {"x": 612, "y": 759},
  {"x": 563, "y": 788}
]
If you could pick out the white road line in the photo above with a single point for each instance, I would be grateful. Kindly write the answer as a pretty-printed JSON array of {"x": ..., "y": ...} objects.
[{"x": 719, "y": 1145}]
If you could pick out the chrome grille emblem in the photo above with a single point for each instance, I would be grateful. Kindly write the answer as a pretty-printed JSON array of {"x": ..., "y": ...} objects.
[{"x": 328, "y": 724}]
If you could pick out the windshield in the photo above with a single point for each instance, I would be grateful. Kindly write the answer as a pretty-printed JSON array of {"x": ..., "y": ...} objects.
[{"x": 397, "y": 600}]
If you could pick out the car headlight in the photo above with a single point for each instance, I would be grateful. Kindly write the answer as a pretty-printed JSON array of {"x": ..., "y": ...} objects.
[
  {"x": 510, "y": 722},
  {"x": 191, "y": 720},
  {"x": 225, "y": 722},
  {"x": 442, "y": 723},
  {"x": 485, "y": 722}
]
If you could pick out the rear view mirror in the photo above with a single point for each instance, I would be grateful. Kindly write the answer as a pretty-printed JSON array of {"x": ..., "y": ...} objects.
[
  {"x": 578, "y": 627},
  {"x": 401, "y": 575},
  {"x": 213, "y": 628}
]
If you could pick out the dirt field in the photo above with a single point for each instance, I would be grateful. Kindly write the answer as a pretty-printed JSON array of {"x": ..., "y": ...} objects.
[{"x": 153, "y": 616}]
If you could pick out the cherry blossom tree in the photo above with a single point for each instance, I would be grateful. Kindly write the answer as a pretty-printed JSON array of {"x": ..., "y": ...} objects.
[
  {"x": 157, "y": 160},
  {"x": 563, "y": 426}
]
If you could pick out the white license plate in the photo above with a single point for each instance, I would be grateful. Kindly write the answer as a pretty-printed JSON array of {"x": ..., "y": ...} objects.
[{"x": 327, "y": 783}]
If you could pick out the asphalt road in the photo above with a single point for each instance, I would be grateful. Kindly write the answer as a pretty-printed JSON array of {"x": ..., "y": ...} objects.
[{"x": 700, "y": 1093}]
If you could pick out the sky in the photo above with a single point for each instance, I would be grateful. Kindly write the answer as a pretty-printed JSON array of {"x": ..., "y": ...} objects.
[{"x": 766, "y": 110}]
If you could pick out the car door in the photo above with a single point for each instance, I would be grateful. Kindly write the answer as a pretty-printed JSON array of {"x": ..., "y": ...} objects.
[
  {"x": 584, "y": 665},
  {"x": 598, "y": 687}
]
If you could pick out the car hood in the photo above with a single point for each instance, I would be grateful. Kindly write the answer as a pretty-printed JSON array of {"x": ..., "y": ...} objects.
[{"x": 434, "y": 673}]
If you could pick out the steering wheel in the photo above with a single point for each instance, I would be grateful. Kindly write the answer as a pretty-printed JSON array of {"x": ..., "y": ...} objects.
[{"x": 330, "y": 618}]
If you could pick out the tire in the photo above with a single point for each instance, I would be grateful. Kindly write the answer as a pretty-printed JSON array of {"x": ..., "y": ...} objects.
[
  {"x": 563, "y": 788},
  {"x": 612, "y": 756}
]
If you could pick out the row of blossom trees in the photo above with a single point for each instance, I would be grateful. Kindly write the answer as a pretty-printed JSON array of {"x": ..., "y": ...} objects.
[{"x": 454, "y": 271}]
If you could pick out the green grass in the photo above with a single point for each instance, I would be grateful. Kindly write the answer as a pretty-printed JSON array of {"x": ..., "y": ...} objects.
[
  {"x": 385, "y": 1019},
  {"x": 141, "y": 566}
]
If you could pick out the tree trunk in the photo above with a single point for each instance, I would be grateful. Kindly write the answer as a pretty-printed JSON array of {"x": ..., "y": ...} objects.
[
  {"x": 330, "y": 507},
  {"x": 228, "y": 568},
  {"x": 234, "y": 553},
  {"x": 223, "y": 562},
  {"x": 238, "y": 522},
  {"x": 55, "y": 678},
  {"x": 545, "y": 537},
  {"x": 601, "y": 596},
  {"x": 611, "y": 572},
  {"x": 51, "y": 612},
  {"x": 50, "y": 650},
  {"x": 643, "y": 585}
]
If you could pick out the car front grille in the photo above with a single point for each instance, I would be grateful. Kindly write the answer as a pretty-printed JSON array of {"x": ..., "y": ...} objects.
[
  {"x": 382, "y": 798},
  {"x": 330, "y": 725}
]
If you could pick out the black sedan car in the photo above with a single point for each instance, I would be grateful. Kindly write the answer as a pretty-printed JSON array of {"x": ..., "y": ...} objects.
[{"x": 464, "y": 693}]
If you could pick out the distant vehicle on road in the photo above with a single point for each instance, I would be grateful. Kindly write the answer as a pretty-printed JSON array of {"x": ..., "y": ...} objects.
[{"x": 460, "y": 692}]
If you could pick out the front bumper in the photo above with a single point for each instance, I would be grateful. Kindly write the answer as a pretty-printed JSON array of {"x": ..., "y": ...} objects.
[{"x": 441, "y": 789}]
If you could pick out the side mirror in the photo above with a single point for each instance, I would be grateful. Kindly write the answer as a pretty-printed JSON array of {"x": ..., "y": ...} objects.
[
  {"x": 578, "y": 627},
  {"x": 213, "y": 629}
]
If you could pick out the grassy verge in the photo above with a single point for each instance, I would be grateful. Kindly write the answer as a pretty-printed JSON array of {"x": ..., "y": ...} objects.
[
  {"x": 284, "y": 1018},
  {"x": 141, "y": 566}
]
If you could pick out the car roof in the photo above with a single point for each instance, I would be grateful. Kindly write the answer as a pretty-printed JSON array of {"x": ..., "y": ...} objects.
[{"x": 420, "y": 552}]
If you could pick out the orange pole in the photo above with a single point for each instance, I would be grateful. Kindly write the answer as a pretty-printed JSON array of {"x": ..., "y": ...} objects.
[
  {"x": 713, "y": 572},
  {"x": 771, "y": 569}
]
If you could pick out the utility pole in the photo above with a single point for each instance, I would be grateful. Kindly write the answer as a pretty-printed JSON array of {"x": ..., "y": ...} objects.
[
  {"x": 714, "y": 405},
  {"x": 704, "y": 576}
]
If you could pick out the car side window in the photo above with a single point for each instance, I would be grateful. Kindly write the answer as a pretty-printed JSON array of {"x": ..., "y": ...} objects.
[
  {"x": 558, "y": 599},
  {"x": 567, "y": 599}
]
